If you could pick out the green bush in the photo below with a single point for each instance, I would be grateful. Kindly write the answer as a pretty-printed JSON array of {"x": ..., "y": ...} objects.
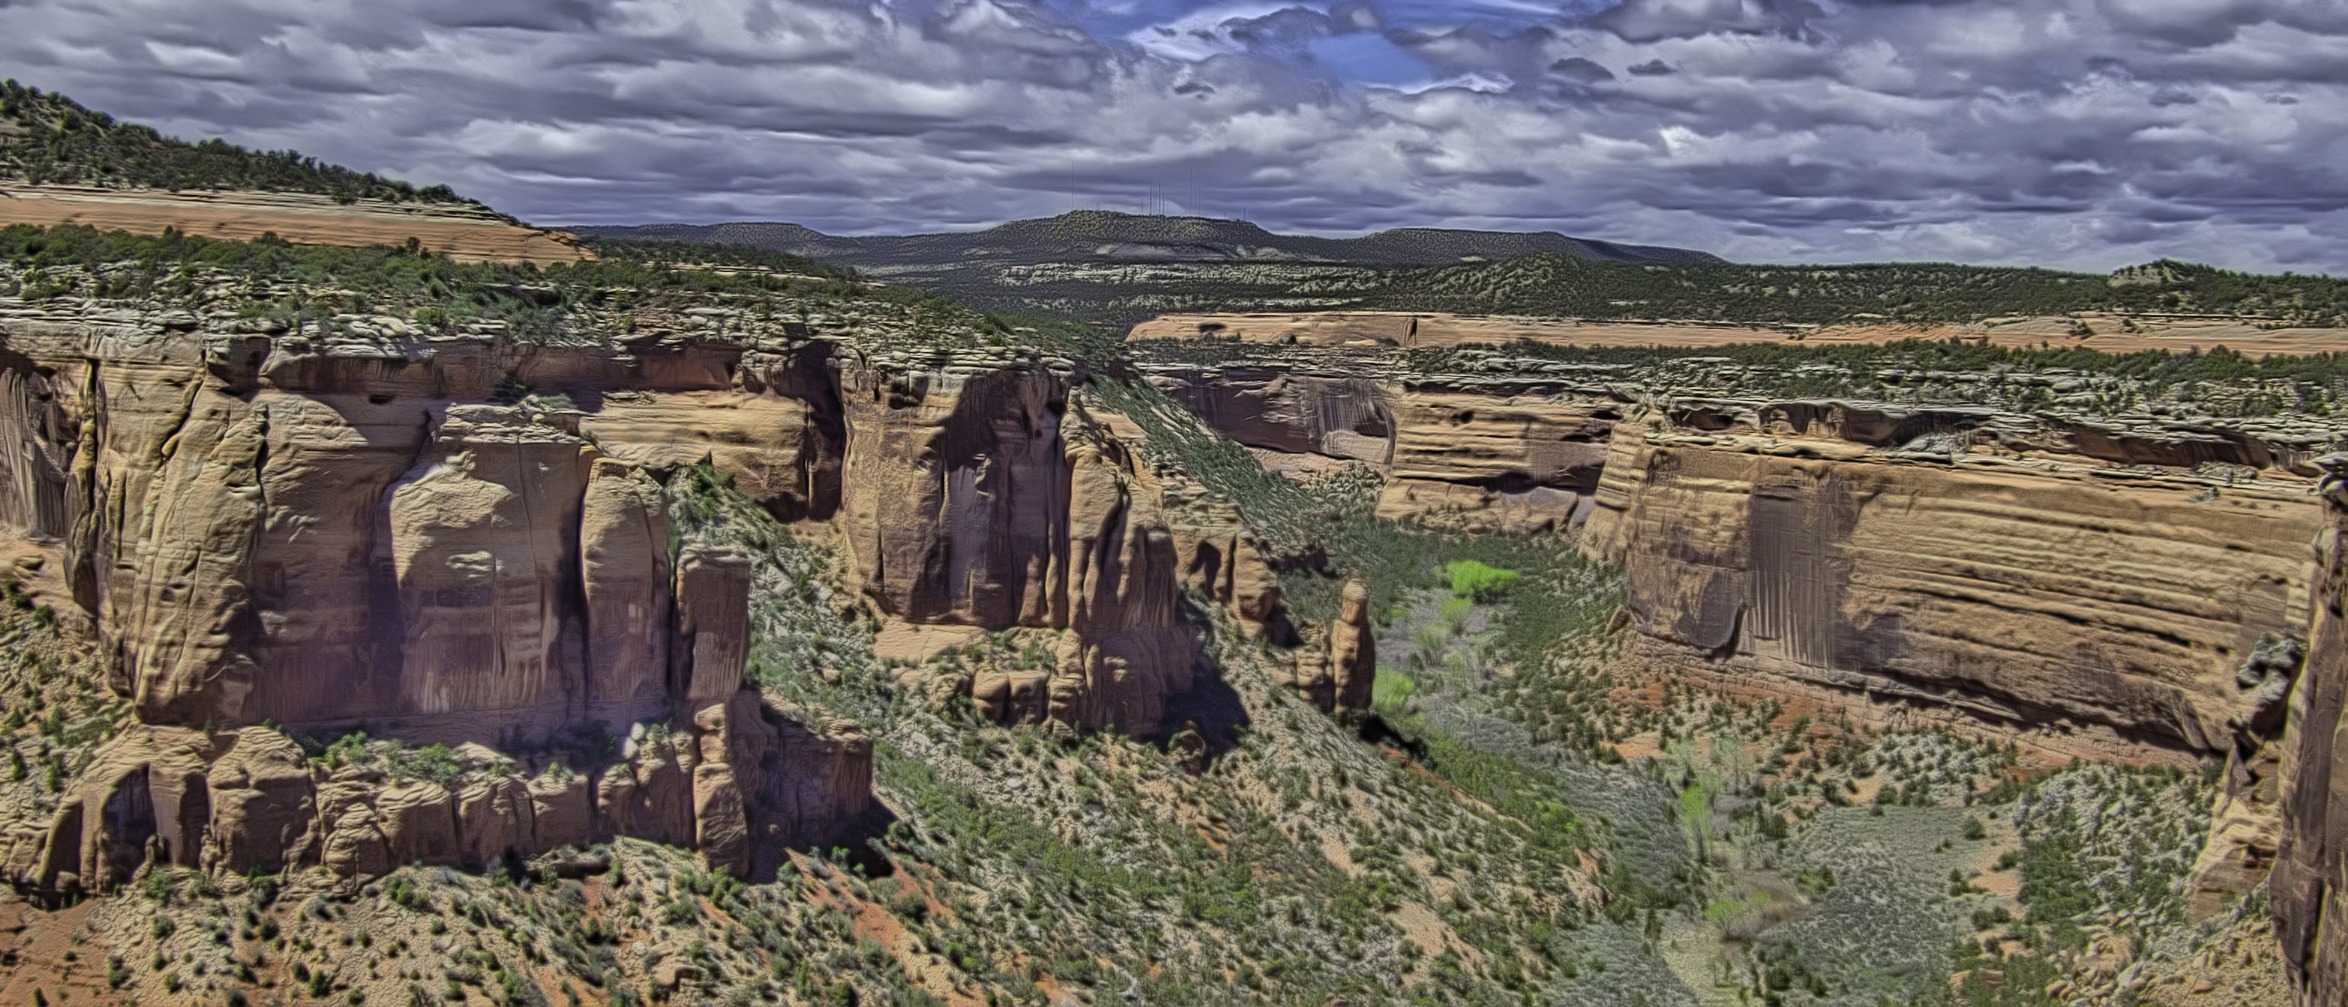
[
  {"x": 1475, "y": 580},
  {"x": 1391, "y": 689}
]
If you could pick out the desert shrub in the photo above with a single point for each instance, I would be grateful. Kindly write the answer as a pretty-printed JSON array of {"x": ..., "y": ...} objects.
[{"x": 1475, "y": 580}]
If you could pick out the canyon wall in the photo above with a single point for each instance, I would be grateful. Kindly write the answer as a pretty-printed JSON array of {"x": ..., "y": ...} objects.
[
  {"x": 987, "y": 499},
  {"x": 2310, "y": 885},
  {"x": 1970, "y": 561},
  {"x": 2137, "y": 588},
  {"x": 1510, "y": 454},
  {"x": 2133, "y": 589},
  {"x": 466, "y": 541}
]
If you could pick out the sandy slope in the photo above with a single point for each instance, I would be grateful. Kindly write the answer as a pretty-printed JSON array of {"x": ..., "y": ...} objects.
[{"x": 467, "y": 233}]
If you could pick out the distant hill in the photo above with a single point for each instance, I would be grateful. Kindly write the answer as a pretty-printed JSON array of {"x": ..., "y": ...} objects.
[
  {"x": 49, "y": 139},
  {"x": 62, "y": 163},
  {"x": 1099, "y": 236}
]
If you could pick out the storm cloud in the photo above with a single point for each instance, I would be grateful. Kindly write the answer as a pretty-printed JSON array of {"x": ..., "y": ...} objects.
[{"x": 2082, "y": 133}]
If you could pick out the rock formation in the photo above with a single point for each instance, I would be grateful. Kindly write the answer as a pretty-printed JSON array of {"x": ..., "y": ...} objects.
[
  {"x": 2088, "y": 607},
  {"x": 2105, "y": 587},
  {"x": 2309, "y": 888},
  {"x": 1353, "y": 651},
  {"x": 1507, "y": 455},
  {"x": 990, "y": 500},
  {"x": 1340, "y": 672},
  {"x": 282, "y": 534}
]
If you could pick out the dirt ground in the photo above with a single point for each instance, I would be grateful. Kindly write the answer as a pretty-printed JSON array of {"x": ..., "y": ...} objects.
[{"x": 466, "y": 233}]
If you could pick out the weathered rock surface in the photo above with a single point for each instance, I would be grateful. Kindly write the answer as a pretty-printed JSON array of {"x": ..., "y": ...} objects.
[
  {"x": 2027, "y": 588},
  {"x": 1518, "y": 455},
  {"x": 1353, "y": 649},
  {"x": 2083, "y": 583},
  {"x": 2309, "y": 888},
  {"x": 989, "y": 499},
  {"x": 1338, "y": 667},
  {"x": 1224, "y": 562},
  {"x": 371, "y": 527}
]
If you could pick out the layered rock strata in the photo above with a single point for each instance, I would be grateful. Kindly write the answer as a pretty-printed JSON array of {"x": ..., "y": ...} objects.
[
  {"x": 2309, "y": 888},
  {"x": 1937, "y": 558},
  {"x": 464, "y": 540},
  {"x": 2133, "y": 587},
  {"x": 2086, "y": 585},
  {"x": 1511, "y": 455},
  {"x": 988, "y": 499}
]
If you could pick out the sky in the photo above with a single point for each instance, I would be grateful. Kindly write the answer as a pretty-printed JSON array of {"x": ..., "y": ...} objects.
[{"x": 2085, "y": 134}]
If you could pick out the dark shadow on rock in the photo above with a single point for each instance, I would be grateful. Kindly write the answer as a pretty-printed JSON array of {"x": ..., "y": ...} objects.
[
  {"x": 855, "y": 843},
  {"x": 1211, "y": 704},
  {"x": 1375, "y": 730}
]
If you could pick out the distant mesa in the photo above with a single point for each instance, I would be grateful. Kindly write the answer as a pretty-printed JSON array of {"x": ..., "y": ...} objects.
[{"x": 1105, "y": 236}]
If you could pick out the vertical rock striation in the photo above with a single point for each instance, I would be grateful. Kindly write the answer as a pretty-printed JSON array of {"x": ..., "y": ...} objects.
[
  {"x": 986, "y": 498},
  {"x": 2309, "y": 888}
]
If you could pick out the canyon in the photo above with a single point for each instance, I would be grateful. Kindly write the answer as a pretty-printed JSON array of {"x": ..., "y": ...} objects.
[
  {"x": 399, "y": 603},
  {"x": 2155, "y": 588},
  {"x": 380, "y": 593}
]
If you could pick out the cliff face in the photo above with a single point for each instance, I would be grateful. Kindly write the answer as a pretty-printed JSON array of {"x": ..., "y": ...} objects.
[
  {"x": 466, "y": 541},
  {"x": 1510, "y": 454},
  {"x": 987, "y": 499},
  {"x": 2092, "y": 588},
  {"x": 2310, "y": 884},
  {"x": 2088, "y": 606}
]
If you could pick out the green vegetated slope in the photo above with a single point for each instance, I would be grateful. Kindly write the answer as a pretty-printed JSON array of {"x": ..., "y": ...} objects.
[
  {"x": 1561, "y": 286},
  {"x": 1300, "y": 864},
  {"x": 46, "y": 137},
  {"x": 321, "y": 289},
  {"x": 1519, "y": 822},
  {"x": 1915, "y": 372},
  {"x": 1564, "y": 286},
  {"x": 1759, "y": 857}
]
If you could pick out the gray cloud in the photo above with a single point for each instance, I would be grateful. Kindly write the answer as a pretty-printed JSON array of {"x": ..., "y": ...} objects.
[{"x": 2088, "y": 133}]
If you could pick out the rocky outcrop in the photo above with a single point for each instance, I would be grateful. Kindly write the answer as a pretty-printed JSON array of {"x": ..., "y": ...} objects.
[
  {"x": 1338, "y": 672},
  {"x": 1223, "y": 561},
  {"x": 464, "y": 540},
  {"x": 1510, "y": 455},
  {"x": 738, "y": 786},
  {"x": 2087, "y": 607},
  {"x": 989, "y": 499},
  {"x": 726, "y": 776},
  {"x": 2309, "y": 888},
  {"x": 1353, "y": 648}
]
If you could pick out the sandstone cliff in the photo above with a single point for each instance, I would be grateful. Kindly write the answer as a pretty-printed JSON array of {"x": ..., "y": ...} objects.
[
  {"x": 1509, "y": 455},
  {"x": 464, "y": 540},
  {"x": 2310, "y": 883},
  {"x": 988, "y": 499},
  {"x": 2131, "y": 586},
  {"x": 2089, "y": 606}
]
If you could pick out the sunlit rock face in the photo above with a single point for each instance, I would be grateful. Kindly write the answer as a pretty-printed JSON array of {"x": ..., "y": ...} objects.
[{"x": 274, "y": 536}]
